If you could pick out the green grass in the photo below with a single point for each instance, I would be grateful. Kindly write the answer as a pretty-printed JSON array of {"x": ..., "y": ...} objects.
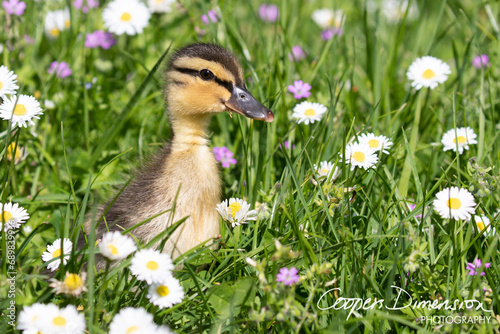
[{"x": 362, "y": 241}]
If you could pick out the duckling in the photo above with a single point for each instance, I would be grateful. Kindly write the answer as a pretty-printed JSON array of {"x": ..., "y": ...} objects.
[{"x": 202, "y": 80}]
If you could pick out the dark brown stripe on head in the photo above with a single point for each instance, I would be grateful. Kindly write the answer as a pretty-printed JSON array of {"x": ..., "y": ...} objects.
[
  {"x": 211, "y": 52},
  {"x": 226, "y": 84},
  {"x": 184, "y": 70}
]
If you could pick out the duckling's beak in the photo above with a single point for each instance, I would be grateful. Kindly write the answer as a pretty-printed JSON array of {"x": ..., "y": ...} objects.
[{"x": 243, "y": 103}]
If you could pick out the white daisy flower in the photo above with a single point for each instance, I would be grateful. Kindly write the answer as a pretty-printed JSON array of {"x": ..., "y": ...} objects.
[
  {"x": 57, "y": 21},
  {"x": 483, "y": 222},
  {"x": 326, "y": 18},
  {"x": 23, "y": 112},
  {"x": 454, "y": 203},
  {"x": 360, "y": 155},
  {"x": 308, "y": 112},
  {"x": 132, "y": 320},
  {"x": 151, "y": 266},
  {"x": 376, "y": 142},
  {"x": 54, "y": 252},
  {"x": 126, "y": 17},
  {"x": 116, "y": 246},
  {"x": 49, "y": 104},
  {"x": 16, "y": 153},
  {"x": 167, "y": 293},
  {"x": 73, "y": 284},
  {"x": 13, "y": 215},
  {"x": 428, "y": 72},
  {"x": 7, "y": 82},
  {"x": 62, "y": 321},
  {"x": 464, "y": 137},
  {"x": 30, "y": 317},
  {"x": 327, "y": 170},
  {"x": 160, "y": 6},
  {"x": 395, "y": 10},
  {"x": 237, "y": 212}
]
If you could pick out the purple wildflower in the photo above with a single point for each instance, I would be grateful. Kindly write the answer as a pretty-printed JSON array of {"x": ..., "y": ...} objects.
[
  {"x": 210, "y": 17},
  {"x": 90, "y": 4},
  {"x": 99, "y": 38},
  {"x": 225, "y": 156},
  {"x": 269, "y": 13},
  {"x": 28, "y": 39},
  {"x": 412, "y": 207},
  {"x": 297, "y": 53},
  {"x": 14, "y": 7},
  {"x": 61, "y": 69},
  {"x": 300, "y": 89},
  {"x": 287, "y": 145},
  {"x": 107, "y": 40},
  {"x": 481, "y": 61},
  {"x": 288, "y": 276},
  {"x": 473, "y": 266},
  {"x": 327, "y": 34}
]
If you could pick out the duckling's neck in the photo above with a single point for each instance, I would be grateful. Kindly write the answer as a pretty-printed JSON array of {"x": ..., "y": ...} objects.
[{"x": 189, "y": 131}]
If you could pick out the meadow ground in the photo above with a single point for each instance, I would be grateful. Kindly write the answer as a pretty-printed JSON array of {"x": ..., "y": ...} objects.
[{"x": 379, "y": 233}]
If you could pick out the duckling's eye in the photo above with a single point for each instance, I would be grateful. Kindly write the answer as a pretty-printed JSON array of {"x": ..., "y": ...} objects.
[{"x": 206, "y": 74}]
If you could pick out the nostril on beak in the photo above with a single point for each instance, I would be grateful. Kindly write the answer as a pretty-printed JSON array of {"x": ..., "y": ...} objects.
[{"x": 243, "y": 96}]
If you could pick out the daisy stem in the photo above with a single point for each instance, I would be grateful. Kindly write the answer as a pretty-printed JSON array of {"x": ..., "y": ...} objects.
[
  {"x": 104, "y": 288},
  {"x": 237, "y": 237}
]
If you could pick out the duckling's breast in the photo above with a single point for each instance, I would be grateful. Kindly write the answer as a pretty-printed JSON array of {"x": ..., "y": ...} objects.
[{"x": 190, "y": 179}]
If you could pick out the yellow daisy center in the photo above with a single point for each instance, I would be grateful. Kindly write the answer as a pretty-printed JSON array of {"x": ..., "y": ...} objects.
[
  {"x": 158, "y": 2},
  {"x": 67, "y": 23},
  {"x": 1, "y": 85},
  {"x": 112, "y": 249},
  {"x": 233, "y": 209},
  {"x": 59, "y": 321},
  {"x": 324, "y": 170},
  {"x": 56, "y": 253},
  {"x": 480, "y": 226},
  {"x": 55, "y": 32},
  {"x": 163, "y": 290},
  {"x": 20, "y": 110},
  {"x": 454, "y": 203},
  {"x": 73, "y": 282},
  {"x": 428, "y": 74},
  {"x": 359, "y": 156},
  {"x": 126, "y": 17},
  {"x": 310, "y": 112},
  {"x": 10, "y": 151},
  {"x": 132, "y": 329},
  {"x": 152, "y": 265},
  {"x": 374, "y": 143},
  {"x": 459, "y": 139},
  {"x": 7, "y": 216}
]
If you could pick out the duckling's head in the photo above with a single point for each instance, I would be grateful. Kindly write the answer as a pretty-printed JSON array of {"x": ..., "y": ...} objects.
[{"x": 203, "y": 79}]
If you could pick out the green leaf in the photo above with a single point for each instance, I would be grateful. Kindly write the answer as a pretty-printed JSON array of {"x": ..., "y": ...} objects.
[{"x": 227, "y": 299}]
